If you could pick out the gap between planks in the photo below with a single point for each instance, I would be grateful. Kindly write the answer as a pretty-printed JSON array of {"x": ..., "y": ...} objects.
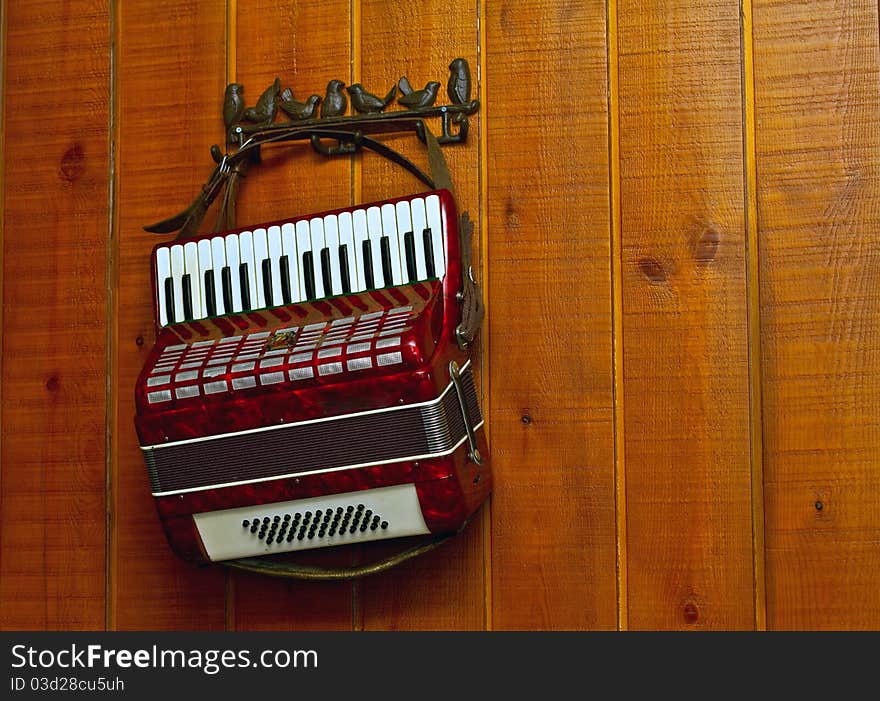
[
  {"x": 112, "y": 325},
  {"x": 616, "y": 250},
  {"x": 750, "y": 187}
]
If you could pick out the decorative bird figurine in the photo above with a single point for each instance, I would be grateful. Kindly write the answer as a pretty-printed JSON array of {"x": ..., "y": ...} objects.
[
  {"x": 335, "y": 101},
  {"x": 233, "y": 108},
  {"x": 267, "y": 106},
  {"x": 298, "y": 110},
  {"x": 367, "y": 103},
  {"x": 416, "y": 99},
  {"x": 459, "y": 86}
]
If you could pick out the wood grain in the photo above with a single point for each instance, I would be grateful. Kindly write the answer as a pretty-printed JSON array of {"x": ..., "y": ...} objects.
[
  {"x": 550, "y": 355},
  {"x": 52, "y": 530},
  {"x": 818, "y": 149},
  {"x": 685, "y": 321},
  {"x": 306, "y": 45},
  {"x": 170, "y": 95}
]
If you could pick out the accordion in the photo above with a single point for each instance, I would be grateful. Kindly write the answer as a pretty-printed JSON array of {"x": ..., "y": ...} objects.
[{"x": 308, "y": 387}]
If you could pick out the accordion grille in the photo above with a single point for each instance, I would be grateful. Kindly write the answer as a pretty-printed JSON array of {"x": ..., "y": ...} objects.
[{"x": 368, "y": 438}]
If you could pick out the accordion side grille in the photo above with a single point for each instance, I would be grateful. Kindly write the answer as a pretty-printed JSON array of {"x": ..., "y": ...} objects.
[{"x": 354, "y": 440}]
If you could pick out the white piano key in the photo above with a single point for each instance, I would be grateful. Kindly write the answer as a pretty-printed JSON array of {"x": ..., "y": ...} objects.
[
  {"x": 389, "y": 229},
  {"x": 317, "y": 227},
  {"x": 274, "y": 236},
  {"x": 233, "y": 260},
  {"x": 261, "y": 253},
  {"x": 419, "y": 223},
  {"x": 331, "y": 241},
  {"x": 205, "y": 264},
  {"x": 435, "y": 222},
  {"x": 288, "y": 248},
  {"x": 374, "y": 231},
  {"x": 177, "y": 270},
  {"x": 191, "y": 267},
  {"x": 405, "y": 226},
  {"x": 303, "y": 245},
  {"x": 359, "y": 232},
  {"x": 163, "y": 273},
  {"x": 246, "y": 251},
  {"x": 346, "y": 238},
  {"x": 218, "y": 260}
]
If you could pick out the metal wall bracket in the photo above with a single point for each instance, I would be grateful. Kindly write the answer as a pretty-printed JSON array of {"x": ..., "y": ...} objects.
[{"x": 277, "y": 117}]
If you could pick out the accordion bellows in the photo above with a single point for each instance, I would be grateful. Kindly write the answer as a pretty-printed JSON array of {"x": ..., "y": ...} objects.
[{"x": 306, "y": 388}]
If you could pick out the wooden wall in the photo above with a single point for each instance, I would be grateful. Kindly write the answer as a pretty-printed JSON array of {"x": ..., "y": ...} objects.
[{"x": 677, "y": 214}]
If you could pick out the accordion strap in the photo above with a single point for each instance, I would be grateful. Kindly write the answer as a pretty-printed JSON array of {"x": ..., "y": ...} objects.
[{"x": 291, "y": 570}]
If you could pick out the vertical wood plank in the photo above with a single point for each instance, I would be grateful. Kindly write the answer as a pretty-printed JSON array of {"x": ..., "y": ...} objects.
[
  {"x": 52, "y": 495},
  {"x": 818, "y": 150},
  {"x": 685, "y": 319},
  {"x": 171, "y": 77},
  {"x": 550, "y": 354},
  {"x": 305, "y": 45},
  {"x": 444, "y": 589}
]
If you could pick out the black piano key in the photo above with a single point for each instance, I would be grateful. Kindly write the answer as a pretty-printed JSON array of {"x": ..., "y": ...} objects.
[
  {"x": 210, "y": 297},
  {"x": 187, "y": 297},
  {"x": 429, "y": 253},
  {"x": 244, "y": 281},
  {"x": 368, "y": 264},
  {"x": 325, "y": 272},
  {"x": 169, "y": 300},
  {"x": 409, "y": 245},
  {"x": 226, "y": 283},
  {"x": 284, "y": 264},
  {"x": 385, "y": 250},
  {"x": 267, "y": 282},
  {"x": 343, "y": 269},
  {"x": 309, "y": 275}
]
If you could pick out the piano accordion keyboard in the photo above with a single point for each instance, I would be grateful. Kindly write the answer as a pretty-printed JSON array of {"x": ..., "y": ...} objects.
[{"x": 305, "y": 259}]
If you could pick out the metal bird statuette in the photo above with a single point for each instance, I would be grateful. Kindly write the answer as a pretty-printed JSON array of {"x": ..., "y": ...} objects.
[
  {"x": 417, "y": 99},
  {"x": 267, "y": 105},
  {"x": 459, "y": 86},
  {"x": 367, "y": 103},
  {"x": 335, "y": 101},
  {"x": 233, "y": 108},
  {"x": 298, "y": 110}
]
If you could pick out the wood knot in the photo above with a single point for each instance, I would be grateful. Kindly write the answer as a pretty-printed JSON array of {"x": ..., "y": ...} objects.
[
  {"x": 822, "y": 508},
  {"x": 511, "y": 215},
  {"x": 73, "y": 163},
  {"x": 691, "y": 613},
  {"x": 705, "y": 245},
  {"x": 53, "y": 382},
  {"x": 653, "y": 269}
]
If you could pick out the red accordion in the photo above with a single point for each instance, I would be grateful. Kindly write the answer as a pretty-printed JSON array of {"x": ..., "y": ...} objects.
[{"x": 308, "y": 388}]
